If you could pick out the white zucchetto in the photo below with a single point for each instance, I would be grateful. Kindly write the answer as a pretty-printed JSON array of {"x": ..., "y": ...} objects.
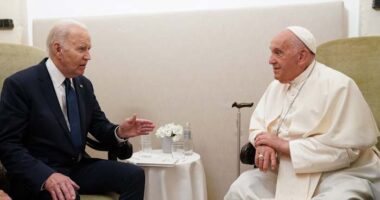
[{"x": 305, "y": 36}]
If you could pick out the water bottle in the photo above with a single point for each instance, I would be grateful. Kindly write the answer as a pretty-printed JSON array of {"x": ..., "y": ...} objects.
[{"x": 187, "y": 142}]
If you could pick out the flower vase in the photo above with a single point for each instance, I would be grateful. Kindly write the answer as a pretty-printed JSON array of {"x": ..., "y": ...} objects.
[{"x": 166, "y": 144}]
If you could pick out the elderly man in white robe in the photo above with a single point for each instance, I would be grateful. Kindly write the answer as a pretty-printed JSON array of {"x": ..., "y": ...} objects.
[{"x": 313, "y": 131}]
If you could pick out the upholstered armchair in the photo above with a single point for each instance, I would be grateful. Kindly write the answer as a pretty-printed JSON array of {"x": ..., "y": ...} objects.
[
  {"x": 359, "y": 58},
  {"x": 14, "y": 57}
]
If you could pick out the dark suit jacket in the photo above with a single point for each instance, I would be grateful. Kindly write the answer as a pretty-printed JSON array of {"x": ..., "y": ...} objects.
[{"x": 34, "y": 137}]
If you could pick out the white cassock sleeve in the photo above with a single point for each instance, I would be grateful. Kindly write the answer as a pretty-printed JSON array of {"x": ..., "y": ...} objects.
[
  {"x": 312, "y": 156},
  {"x": 351, "y": 128},
  {"x": 257, "y": 123}
]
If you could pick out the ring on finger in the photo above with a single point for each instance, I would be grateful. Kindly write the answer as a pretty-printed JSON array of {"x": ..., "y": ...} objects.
[{"x": 261, "y": 156}]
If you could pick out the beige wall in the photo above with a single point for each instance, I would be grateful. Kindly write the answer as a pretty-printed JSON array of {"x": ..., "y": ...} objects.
[
  {"x": 191, "y": 66},
  {"x": 16, "y": 10},
  {"x": 369, "y": 19}
]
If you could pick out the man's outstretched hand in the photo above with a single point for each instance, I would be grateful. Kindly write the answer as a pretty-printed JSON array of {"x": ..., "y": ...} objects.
[{"x": 133, "y": 126}]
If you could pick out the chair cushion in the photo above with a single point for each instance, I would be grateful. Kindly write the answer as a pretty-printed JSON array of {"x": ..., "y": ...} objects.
[{"x": 99, "y": 197}]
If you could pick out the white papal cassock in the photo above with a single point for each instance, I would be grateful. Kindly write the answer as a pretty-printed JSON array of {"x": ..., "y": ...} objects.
[{"x": 331, "y": 133}]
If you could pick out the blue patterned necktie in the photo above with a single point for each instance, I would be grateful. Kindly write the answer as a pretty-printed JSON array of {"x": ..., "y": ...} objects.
[{"x": 73, "y": 114}]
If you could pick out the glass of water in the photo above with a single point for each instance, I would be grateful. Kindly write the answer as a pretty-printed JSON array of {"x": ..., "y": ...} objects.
[
  {"x": 146, "y": 145},
  {"x": 178, "y": 151}
]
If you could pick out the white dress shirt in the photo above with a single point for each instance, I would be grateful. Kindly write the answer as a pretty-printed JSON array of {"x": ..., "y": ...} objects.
[{"x": 58, "y": 82}]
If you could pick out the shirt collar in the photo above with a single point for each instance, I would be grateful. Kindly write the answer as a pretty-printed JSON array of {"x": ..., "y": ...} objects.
[
  {"x": 300, "y": 78},
  {"x": 56, "y": 76}
]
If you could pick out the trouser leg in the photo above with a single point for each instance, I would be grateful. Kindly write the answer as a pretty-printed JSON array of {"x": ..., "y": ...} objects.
[{"x": 103, "y": 176}]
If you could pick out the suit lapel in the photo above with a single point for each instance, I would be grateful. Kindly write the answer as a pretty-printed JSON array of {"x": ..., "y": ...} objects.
[{"x": 48, "y": 91}]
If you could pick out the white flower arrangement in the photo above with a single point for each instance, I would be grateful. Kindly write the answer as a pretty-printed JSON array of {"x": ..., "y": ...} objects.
[{"x": 170, "y": 130}]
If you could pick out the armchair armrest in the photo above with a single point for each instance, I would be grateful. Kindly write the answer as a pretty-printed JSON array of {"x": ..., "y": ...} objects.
[
  {"x": 122, "y": 151},
  {"x": 247, "y": 154}
]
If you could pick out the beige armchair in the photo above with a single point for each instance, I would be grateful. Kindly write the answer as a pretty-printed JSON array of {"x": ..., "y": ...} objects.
[
  {"x": 358, "y": 58},
  {"x": 14, "y": 57}
]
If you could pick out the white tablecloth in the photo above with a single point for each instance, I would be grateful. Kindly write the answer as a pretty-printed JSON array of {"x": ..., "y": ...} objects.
[{"x": 184, "y": 181}]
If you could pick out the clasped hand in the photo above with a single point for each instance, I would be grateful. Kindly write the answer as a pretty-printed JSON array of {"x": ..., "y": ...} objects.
[{"x": 267, "y": 147}]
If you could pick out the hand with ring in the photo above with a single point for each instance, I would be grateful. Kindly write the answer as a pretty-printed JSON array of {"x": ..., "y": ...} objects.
[{"x": 265, "y": 156}]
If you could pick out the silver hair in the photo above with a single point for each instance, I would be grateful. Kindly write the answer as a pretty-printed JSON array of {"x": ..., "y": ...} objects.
[{"x": 60, "y": 31}]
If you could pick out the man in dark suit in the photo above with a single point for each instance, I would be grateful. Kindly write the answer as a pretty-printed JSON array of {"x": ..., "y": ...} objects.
[{"x": 47, "y": 111}]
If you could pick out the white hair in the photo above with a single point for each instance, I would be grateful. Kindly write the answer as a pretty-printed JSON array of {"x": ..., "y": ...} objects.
[{"x": 60, "y": 31}]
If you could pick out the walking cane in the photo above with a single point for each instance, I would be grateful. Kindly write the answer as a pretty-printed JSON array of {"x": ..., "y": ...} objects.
[{"x": 238, "y": 125}]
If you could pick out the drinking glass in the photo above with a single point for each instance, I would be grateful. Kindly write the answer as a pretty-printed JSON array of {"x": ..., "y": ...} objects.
[
  {"x": 146, "y": 145},
  {"x": 178, "y": 151}
]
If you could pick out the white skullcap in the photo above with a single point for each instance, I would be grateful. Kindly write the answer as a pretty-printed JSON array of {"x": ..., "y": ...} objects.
[{"x": 305, "y": 36}]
